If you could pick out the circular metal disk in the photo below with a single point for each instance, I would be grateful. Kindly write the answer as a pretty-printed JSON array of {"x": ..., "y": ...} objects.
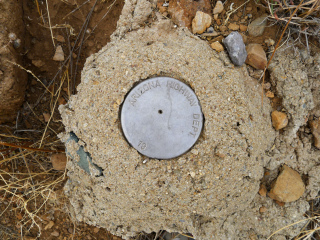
[{"x": 161, "y": 118}]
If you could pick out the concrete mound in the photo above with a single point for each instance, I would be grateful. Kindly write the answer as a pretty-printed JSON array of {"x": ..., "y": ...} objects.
[{"x": 210, "y": 191}]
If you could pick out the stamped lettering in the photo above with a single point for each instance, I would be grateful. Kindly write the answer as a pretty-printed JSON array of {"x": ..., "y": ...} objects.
[
  {"x": 196, "y": 125},
  {"x": 184, "y": 91},
  {"x": 141, "y": 90}
]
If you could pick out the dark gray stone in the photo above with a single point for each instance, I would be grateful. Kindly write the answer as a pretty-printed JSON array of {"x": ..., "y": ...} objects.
[{"x": 236, "y": 48}]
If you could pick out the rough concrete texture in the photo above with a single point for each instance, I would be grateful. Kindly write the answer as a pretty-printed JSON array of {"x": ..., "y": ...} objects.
[
  {"x": 210, "y": 192},
  {"x": 12, "y": 79},
  {"x": 293, "y": 86}
]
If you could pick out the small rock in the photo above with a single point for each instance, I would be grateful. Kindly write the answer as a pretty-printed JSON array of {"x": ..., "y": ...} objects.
[
  {"x": 60, "y": 39},
  {"x": 270, "y": 42},
  {"x": 263, "y": 190},
  {"x": 262, "y": 209},
  {"x": 288, "y": 186},
  {"x": 55, "y": 234},
  {"x": 270, "y": 94},
  {"x": 17, "y": 43},
  {"x": 315, "y": 129},
  {"x": 223, "y": 28},
  {"x": 243, "y": 28},
  {"x": 201, "y": 22},
  {"x": 210, "y": 30},
  {"x": 248, "y": 9},
  {"x": 96, "y": 230},
  {"x": 49, "y": 225},
  {"x": 217, "y": 46},
  {"x": 59, "y": 55},
  {"x": 182, "y": 12},
  {"x": 218, "y": 8},
  {"x": 256, "y": 56},
  {"x": 236, "y": 48},
  {"x": 279, "y": 120},
  {"x": 233, "y": 27},
  {"x": 59, "y": 161},
  {"x": 38, "y": 63},
  {"x": 257, "y": 27},
  {"x": 46, "y": 117}
]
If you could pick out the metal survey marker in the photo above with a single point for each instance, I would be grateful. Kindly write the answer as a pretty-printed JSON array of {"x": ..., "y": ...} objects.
[{"x": 161, "y": 118}]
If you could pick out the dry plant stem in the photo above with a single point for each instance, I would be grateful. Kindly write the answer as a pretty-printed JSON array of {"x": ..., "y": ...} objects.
[
  {"x": 28, "y": 71},
  {"x": 308, "y": 219},
  {"x": 76, "y": 9},
  {"x": 52, "y": 112},
  {"x": 54, "y": 45},
  {"x": 276, "y": 47},
  {"x": 29, "y": 148}
]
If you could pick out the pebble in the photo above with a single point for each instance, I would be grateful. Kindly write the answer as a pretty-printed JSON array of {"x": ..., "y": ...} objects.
[
  {"x": 223, "y": 28},
  {"x": 17, "y": 43},
  {"x": 248, "y": 9},
  {"x": 263, "y": 190},
  {"x": 270, "y": 94},
  {"x": 315, "y": 129},
  {"x": 279, "y": 120},
  {"x": 236, "y": 48},
  {"x": 217, "y": 46},
  {"x": 59, "y": 161},
  {"x": 233, "y": 27},
  {"x": 243, "y": 28},
  {"x": 59, "y": 55},
  {"x": 256, "y": 56},
  {"x": 201, "y": 22},
  {"x": 38, "y": 63},
  {"x": 210, "y": 30},
  {"x": 288, "y": 187},
  {"x": 257, "y": 27},
  {"x": 96, "y": 230},
  {"x": 262, "y": 209},
  {"x": 60, "y": 38},
  {"x": 218, "y": 8},
  {"x": 55, "y": 234}
]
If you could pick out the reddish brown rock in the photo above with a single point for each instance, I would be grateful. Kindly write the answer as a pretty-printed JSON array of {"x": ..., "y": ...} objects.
[
  {"x": 279, "y": 120},
  {"x": 59, "y": 161},
  {"x": 263, "y": 190},
  {"x": 233, "y": 27},
  {"x": 217, "y": 46},
  {"x": 288, "y": 186},
  {"x": 256, "y": 56},
  {"x": 262, "y": 209},
  {"x": 183, "y": 11},
  {"x": 243, "y": 28},
  {"x": 315, "y": 129}
]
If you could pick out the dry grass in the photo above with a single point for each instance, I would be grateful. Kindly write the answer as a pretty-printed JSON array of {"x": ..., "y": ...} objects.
[{"x": 305, "y": 21}]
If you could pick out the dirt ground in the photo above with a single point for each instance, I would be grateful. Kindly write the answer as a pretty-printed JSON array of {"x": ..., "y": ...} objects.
[{"x": 82, "y": 28}]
